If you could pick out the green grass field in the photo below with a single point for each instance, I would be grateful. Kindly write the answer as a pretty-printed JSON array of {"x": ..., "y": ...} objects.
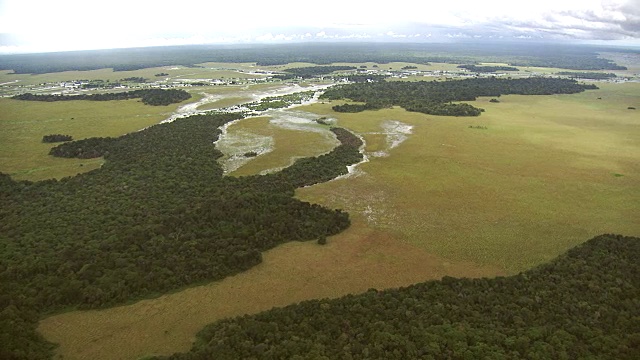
[
  {"x": 547, "y": 173},
  {"x": 540, "y": 175},
  {"x": 223, "y": 103},
  {"x": 288, "y": 145},
  {"x": 540, "y": 179},
  {"x": 24, "y": 123}
]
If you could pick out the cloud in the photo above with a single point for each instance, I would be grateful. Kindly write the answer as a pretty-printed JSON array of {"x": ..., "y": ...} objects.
[
  {"x": 72, "y": 24},
  {"x": 610, "y": 20}
]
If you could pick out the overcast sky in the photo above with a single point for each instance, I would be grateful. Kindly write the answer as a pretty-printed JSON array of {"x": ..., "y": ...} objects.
[{"x": 58, "y": 25}]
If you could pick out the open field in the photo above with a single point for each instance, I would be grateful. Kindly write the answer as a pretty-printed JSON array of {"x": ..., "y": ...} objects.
[
  {"x": 537, "y": 176},
  {"x": 23, "y": 123},
  {"x": 290, "y": 273},
  {"x": 288, "y": 144},
  {"x": 543, "y": 176},
  {"x": 207, "y": 71},
  {"x": 223, "y": 103},
  {"x": 231, "y": 95}
]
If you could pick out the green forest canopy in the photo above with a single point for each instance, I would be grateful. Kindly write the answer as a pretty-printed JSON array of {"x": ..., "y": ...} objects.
[
  {"x": 436, "y": 97},
  {"x": 583, "y": 305},
  {"x": 156, "y": 97},
  {"x": 587, "y": 75},
  {"x": 157, "y": 216}
]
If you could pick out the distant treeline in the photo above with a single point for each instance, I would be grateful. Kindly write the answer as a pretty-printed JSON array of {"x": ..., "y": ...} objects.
[
  {"x": 312, "y": 71},
  {"x": 135, "y": 79},
  {"x": 583, "y": 305},
  {"x": 53, "y": 138},
  {"x": 437, "y": 97},
  {"x": 487, "y": 69},
  {"x": 156, "y": 97},
  {"x": 578, "y": 57},
  {"x": 158, "y": 215},
  {"x": 588, "y": 75}
]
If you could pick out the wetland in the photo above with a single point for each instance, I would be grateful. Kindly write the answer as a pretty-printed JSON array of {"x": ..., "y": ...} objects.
[{"x": 427, "y": 196}]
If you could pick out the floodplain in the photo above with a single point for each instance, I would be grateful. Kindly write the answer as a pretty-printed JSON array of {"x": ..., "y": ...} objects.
[{"x": 492, "y": 195}]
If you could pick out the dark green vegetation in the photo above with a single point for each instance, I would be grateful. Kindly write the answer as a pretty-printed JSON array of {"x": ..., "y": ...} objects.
[
  {"x": 312, "y": 71},
  {"x": 487, "y": 69},
  {"x": 544, "y": 55},
  {"x": 53, "y": 138},
  {"x": 583, "y": 305},
  {"x": 99, "y": 84},
  {"x": 324, "y": 167},
  {"x": 157, "y": 216},
  {"x": 135, "y": 79},
  {"x": 156, "y": 97},
  {"x": 587, "y": 75},
  {"x": 84, "y": 149},
  {"x": 278, "y": 102},
  {"x": 436, "y": 98}
]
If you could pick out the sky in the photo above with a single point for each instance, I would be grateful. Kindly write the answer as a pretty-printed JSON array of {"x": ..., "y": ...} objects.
[{"x": 62, "y": 25}]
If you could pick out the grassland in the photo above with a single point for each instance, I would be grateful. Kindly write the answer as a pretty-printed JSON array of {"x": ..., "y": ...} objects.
[
  {"x": 290, "y": 273},
  {"x": 289, "y": 144},
  {"x": 23, "y": 123},
  {"x": 204, "y": 71},
  {"x": 547, "y": 173},
  {"x": 223, "y": 103},
  {"x": 537, "y": 181}
]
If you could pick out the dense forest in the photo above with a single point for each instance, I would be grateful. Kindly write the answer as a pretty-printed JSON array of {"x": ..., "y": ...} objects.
[
  {"x": 579, "y": 57},
  {"x": 437, "y": 97},
  {"x": 157, "y": 216},
  {"x": 156, "y": 97},
  {"x": 587, "y": 75},
  {"x": 583, "y": 305}
]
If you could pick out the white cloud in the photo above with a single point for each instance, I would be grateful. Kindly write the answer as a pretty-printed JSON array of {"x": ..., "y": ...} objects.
[{"x": 81, "y": 24}]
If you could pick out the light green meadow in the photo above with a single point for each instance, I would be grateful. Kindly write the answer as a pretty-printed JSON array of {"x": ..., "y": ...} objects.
[
  {"x": 532, "y": 177},
  {"x": 547, "y": 173},
  {"x": 24, "y": 123}
]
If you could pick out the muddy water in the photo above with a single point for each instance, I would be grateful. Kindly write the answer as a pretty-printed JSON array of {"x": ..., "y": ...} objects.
[
  {"x": 237, "y": 143},
  {"x": 243, "y": 92}
]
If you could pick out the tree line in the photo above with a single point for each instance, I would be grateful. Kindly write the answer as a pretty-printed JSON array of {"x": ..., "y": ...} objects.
[
  {"x": 53, "y": 138},
  {"x": 587, "y": 75},
  {"x": 155, "y": 97},
  {"x": 487, "y": 68},
  {"x": 158, "y": 215},
  {"x": 308, "y": 72},
  {"x": 438, "y": 97},
  {"x": 583, "y": 305},
  {"x": 549, "y": 55}
]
